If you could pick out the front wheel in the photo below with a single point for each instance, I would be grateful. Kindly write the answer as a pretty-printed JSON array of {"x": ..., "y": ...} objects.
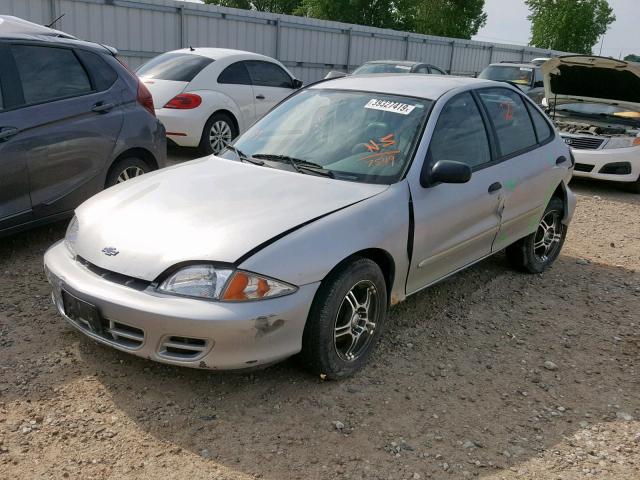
[
  {"x": 346, "y": 320},
  {"x": 536, "y": 252}
]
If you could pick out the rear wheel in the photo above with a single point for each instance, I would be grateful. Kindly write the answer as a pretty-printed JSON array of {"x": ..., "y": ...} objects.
[
  {"x": 536, "y": 252},
  {"x": 346, "y": 320},
  {"x": 219, "y": 131},
  {"x": 126, "y": 169}
]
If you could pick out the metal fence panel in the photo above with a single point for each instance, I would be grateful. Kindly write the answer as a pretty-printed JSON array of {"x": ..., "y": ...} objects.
[{"x": 142, "y": 29}]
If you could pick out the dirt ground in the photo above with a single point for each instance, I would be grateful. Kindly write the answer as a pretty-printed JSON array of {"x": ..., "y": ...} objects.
[{"x": 492, "y": 374}]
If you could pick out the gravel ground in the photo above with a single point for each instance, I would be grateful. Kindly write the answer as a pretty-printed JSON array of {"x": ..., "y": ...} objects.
[{"x": 491, "y": 374}]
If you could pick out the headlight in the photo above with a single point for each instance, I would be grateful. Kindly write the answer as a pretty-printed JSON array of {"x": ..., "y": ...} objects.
[
  {"x": 622, "y": 142},
  {"x": 224, "y": 284},
  {"x": 71, "y": 236}
]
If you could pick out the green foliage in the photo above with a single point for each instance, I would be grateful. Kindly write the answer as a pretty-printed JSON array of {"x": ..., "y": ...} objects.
[
  {"x": 451, "y": 18},
  {"x": 446, "y": 18},
  {"x": 569, "y": 25},
  {"x": 632, "y": 58},
  {"x": 274, "y": 6}
]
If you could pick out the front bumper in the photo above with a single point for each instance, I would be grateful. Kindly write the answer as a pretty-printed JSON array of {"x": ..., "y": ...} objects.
[
  {"x": 589, "y": 163},
  {"x": 181, "y": 331}
]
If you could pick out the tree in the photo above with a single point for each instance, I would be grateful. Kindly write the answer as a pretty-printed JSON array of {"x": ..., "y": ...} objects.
[
  {"x": 373, "y": 13},
  {"x": 632, "y": 58},
  {"x": 287, "y": 7},
  {"x": 569, "y": 25},
  {"x": 446, "y": 18}
]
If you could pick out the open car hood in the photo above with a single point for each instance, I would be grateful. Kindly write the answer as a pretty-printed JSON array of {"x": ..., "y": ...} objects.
[{"x": 592, "y": 79}]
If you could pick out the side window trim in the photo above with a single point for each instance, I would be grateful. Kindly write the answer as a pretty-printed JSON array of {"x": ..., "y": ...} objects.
[
  {"x": 24, "y": 104},
  {"x": 501, "y": 157}
]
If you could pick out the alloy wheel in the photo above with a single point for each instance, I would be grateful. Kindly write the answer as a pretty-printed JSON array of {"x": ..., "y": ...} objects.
[
  {"x": 129, "y": 173},
  {"x": 220, "y": 136},
  {"x": 356, "y": 321},
  {"x": 548, "y": 236}
]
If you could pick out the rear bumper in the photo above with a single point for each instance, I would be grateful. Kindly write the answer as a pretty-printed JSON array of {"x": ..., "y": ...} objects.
[
  {"x": 181, "y": 126},
  {"x": 154, "y": 326},
  {"x": 589, "y": 163}
]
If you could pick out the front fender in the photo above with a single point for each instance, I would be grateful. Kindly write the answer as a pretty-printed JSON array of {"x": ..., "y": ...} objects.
[{"x": 308, "y": 254}]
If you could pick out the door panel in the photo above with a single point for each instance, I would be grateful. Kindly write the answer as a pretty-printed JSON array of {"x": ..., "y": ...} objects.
[
  {"x": 234, "y": 82},
  {"x": 68, "y": 143},
  {"x": 455, "y": 224}
]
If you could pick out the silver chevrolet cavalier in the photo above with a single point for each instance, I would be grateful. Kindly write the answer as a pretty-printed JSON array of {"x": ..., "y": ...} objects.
[{"x": 342, "y": 201}]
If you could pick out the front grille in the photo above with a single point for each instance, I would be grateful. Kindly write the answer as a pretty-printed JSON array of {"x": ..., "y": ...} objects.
[
  {"x": 114, "y": 277},
  {"x": 582, "y": 167},
  {"x": 183, "y": 348},
  {"x": 116, "y": 332},
  {"x": 584, "y": 143}
]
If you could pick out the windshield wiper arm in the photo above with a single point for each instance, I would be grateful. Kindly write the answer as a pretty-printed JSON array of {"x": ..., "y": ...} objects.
[
  {"x": 300, "y": 166},
  {"x": 242, "y": 156}
]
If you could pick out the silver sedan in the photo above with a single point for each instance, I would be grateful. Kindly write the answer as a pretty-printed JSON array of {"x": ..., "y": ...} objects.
[{"x": 342, "y": 201}]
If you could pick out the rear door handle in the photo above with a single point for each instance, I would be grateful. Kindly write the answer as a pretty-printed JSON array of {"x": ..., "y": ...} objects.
[
  {"x": 260, "y": 97},
  {"x": 7, "y": 132},
  {"x": 561, "y": 160},
  {"x": 101, "y": 107},
  {"x": 494, "y": 187}
]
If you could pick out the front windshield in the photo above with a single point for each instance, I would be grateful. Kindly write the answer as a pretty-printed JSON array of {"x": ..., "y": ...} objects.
[
  {"x": 357, "y": 136},
  {"x": 368, "y": 68},
  {"x": 502, "y": 73}
]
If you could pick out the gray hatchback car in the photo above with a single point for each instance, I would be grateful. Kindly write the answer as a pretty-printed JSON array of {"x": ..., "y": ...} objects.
[
  {"x": 346, "y": 198},
  {"x": 73, "y": 121}
]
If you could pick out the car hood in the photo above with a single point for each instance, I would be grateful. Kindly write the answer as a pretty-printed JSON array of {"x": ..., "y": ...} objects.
[
  {"x": 209, "y": 209},
  {"x": 592, "y": 79}
]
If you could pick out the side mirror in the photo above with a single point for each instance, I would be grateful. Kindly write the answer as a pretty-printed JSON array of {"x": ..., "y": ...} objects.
[
  {"x": 297, "y": 83},
  {"x": 448, "y": 171}
]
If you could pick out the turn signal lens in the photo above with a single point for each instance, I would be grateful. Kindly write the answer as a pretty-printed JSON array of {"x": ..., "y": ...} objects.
[
  {"x": 184, "y": 101},
  {"x": 636, "y": 141},
  {"x": 245, "y": 286}
]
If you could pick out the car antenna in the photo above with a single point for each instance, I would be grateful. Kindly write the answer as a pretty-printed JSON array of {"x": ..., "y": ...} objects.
[
  {"x": 191, "y": 48},
  {"x": 55, "y": 21}
]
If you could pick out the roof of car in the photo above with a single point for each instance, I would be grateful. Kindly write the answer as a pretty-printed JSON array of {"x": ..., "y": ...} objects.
[
  {"x": 413, "y": 85},
  {"x": 515, "y": 64},
  {"x": 407, "y": 63},
  {"x": 220, "y": 53}
]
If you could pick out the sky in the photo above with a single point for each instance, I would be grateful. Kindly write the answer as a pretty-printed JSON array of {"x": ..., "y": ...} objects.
[{"x": 507, "y": 23}]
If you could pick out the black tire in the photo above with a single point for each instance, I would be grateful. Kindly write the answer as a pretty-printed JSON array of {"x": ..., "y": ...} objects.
[
  {"x": 525, "y": 256},
  {"x": 205, "y": 147},
  {"x": 127, "y": 167},
  {"x": 322, "y": 352},
  {"x": 633, "y": 187}
]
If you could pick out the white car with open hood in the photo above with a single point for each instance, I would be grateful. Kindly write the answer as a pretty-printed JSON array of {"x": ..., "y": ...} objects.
[{"x": 595, "y": 104}]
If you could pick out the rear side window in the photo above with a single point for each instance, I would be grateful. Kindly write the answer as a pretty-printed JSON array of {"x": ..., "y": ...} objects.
[
  {"x": 510, "y": 119},
  {"x": 235, "y": 74},
  {"x": 103, "y": 75},
  {"x": 460, "y": 134},
  {"x": 48, "y": 73},
  {"x": 268, "y": 74},
  {"x": 437, "y": 71},
  {"x": 178, "y": 67},
  {"x": 543, "y": 130}
]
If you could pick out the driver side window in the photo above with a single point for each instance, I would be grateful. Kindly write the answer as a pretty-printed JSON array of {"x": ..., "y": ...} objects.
[{"x": 460, "y": 134}]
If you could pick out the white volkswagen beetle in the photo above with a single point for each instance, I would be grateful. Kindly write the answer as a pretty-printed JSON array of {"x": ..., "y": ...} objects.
[
  {"x": 343, "y": 200},
  {"x": 205, "y": 97}
]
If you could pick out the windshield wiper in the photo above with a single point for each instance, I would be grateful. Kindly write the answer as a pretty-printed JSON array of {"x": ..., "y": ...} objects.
[
  {"x": 301, "y": 166},
  {"x": 242, "y": 156}
]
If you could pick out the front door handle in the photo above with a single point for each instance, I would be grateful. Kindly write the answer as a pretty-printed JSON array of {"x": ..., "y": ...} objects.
[
  {"x": 561, "y": 160},
  {"x": 7, "y": 132},
  {"x": 494, "y": 187},
  {"x": 260, "y": 97},
  {"x": 102, "y": 107}
]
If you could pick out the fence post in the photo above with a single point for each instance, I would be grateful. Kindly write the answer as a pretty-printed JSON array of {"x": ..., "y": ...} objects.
[
  {"x": 349, "y": 33},
  {"x": 277, "y": 56},
  {"x": 406, "y": 49},
  {"x": 453, "y": 50},
  {"x": 490, "y": 54},
  {"x": 522, "y": 55},
  {"x": 183, "y": 28}
]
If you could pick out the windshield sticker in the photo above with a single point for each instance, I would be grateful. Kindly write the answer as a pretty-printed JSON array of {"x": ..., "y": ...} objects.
[
  {"x": 389, "y": 106},
  {"x": 525, "y": 69},
  {"x": 386, "y": 142}
]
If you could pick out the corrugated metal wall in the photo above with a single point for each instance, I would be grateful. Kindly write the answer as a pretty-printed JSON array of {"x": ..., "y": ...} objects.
[{"x": 141, "y": 29}]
